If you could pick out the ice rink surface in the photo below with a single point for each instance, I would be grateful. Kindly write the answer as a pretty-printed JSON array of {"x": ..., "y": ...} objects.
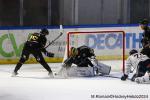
[{"x": 33, "y": 83}]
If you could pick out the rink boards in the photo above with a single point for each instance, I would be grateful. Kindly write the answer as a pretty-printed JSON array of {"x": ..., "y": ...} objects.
[{"x": 13, "y": 38}]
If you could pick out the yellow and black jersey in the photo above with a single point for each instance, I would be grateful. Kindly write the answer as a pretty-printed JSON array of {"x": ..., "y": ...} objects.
[
  {"x": 37, "y": 40},
  {"x": 34, "y": 37}
]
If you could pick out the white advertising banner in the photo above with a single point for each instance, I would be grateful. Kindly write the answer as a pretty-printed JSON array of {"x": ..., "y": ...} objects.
[{"x": 12, "y": 41}]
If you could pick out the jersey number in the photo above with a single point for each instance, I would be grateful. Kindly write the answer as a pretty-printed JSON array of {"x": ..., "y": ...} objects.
[{"x": 33, "y": 38}]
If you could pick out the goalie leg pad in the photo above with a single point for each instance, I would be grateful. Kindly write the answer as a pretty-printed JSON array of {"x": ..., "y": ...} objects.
[
  {"x": 103, "y": 69},
  {"x": 75, "y": 71}
]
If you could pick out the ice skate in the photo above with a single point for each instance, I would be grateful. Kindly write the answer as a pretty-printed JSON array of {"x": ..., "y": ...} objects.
[{"x": 14, "y": 74}]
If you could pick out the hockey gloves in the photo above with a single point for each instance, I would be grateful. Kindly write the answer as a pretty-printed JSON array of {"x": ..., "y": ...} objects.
[
  {"x": 49, "y": 54},
  {"x": 124, "y": 77}
]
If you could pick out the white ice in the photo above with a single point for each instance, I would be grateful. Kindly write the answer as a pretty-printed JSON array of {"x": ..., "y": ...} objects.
[{"x": 33, "y": 83}]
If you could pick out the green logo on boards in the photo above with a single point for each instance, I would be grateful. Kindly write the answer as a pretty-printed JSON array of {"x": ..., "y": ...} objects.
[{"x": 16, "y": 49}]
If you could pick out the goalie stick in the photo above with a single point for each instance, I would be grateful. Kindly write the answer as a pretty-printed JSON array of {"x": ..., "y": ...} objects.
[
  {"x": 61, "y": 33},
  {"x": 117, "y": 77},
  {"x": 110, "y": 76}
]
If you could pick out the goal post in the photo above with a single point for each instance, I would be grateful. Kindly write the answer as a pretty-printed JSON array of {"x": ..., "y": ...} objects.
[{"x": 109, "y": 46}]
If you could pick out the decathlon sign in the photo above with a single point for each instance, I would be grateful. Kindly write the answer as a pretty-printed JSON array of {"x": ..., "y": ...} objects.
[{"x": 104, "y": 41}]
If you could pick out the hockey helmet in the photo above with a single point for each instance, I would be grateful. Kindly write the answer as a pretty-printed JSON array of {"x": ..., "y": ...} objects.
[
  {"x": 44, "y": 31},
  {"x": 133, "y": 51},
  {"x": 73, "y": 51},
  {"x": 144, "y": 22}
]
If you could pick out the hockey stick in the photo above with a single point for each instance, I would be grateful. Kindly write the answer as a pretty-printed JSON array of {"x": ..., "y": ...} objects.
[
  {"x": 54, "y": 40},
  {"x": 61, "y": 33},
  {"x": 111, "y": 76}
]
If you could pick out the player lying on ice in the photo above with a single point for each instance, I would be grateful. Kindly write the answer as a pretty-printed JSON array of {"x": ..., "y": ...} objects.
[
  {"x": 86, "y": 64},
  {"x": 141, "y": 64}
]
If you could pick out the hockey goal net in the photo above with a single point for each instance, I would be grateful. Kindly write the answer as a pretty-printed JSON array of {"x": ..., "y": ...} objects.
[{"x": 109, "y": 46}]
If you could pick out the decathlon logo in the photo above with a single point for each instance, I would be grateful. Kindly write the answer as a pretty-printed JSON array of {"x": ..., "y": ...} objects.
[
  {"x": 114, "y": 41},
  {"x": 103, "y": 41}
]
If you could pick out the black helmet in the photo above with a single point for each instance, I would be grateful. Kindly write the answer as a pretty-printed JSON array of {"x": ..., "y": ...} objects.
[
  {"x": 133, "y": 51},
  {"x": 144, "y": 22},
  {"x": 44, "y": 31}
]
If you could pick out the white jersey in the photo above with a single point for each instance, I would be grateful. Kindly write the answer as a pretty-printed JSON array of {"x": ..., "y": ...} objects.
[{"x": 133, "y": 61}]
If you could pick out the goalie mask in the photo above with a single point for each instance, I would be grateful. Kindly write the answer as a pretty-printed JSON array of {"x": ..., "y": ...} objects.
[
  {"x": 133, "y": 52},
  {"x": 73, "y": 51}
]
